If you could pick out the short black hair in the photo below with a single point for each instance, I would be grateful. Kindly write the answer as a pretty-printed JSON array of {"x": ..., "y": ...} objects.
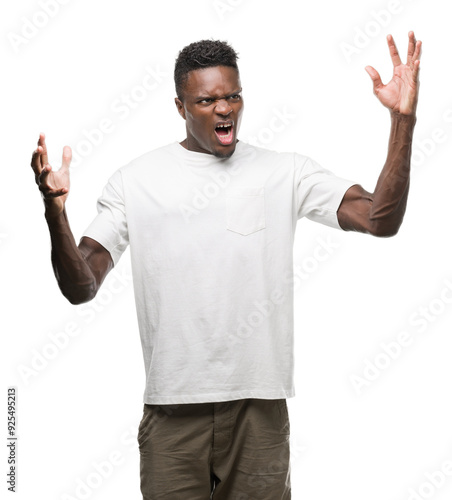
[{"x": 202, "y": 54}]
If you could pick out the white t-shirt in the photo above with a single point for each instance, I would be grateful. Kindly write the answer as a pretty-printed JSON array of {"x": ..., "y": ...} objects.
[{"x": 211, "y": 243}]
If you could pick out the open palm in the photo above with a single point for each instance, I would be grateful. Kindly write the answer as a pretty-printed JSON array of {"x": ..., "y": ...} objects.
[
  {"x": 54, "y": 185},
  {"x": 401, "y": 93}
]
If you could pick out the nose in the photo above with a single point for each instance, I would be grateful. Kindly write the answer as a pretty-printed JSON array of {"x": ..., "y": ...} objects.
[{"x": 223, "y": 107}]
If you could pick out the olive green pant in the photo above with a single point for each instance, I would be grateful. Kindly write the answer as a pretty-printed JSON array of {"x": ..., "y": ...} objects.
[{"x": 233, "y": 450}]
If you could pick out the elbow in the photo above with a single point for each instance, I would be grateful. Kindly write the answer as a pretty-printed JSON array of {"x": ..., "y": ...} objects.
[
  {"x": 76, "y": 300},
  {"x": 386, "y": 220},
  {"x": 384, "y": 228},
  {"x": 79, "y": 295}
]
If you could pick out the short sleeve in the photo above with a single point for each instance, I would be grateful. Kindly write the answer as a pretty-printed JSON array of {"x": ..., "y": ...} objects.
[
  {"x": 318, "y": 192},
  {"x": 109, "y": 228}
]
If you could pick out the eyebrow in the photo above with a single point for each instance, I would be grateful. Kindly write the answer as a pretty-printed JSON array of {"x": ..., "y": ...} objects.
[{"x": 208, "y": 96}]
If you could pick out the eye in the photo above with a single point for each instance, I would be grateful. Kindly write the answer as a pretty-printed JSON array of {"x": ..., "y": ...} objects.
[
  {"x": 207, "y": 100},
  {"x": 235, "y": 97}
]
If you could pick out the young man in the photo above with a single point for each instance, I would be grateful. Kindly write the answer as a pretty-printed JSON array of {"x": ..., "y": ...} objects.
[{"x": 210, "y": 223}]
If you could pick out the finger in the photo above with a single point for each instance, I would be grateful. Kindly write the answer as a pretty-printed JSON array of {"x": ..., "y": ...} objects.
[
  {"x": 47, "y": 190},
  {"x": 417, "y": 51},
  {"x": 52, "y": 193},
  {"x": 67, "y": 157},
  {"x": 41, "y": 180},
  {"x": 415, "y": 73},
  {"x": 375, "y": 76},
  {"x": 36, "y": 164},
  {"x": 55, "y": 193},
  {"x": 42, "y": 143},
  {"x": 411, "y": 47},
  {"x": 393, "y": 51}
]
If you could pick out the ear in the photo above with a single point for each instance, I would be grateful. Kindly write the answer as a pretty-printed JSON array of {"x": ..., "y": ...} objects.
[{"x": 180, "y": 107}]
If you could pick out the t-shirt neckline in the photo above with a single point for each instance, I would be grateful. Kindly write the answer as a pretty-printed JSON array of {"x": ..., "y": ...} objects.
[{"x": 205, "y": 158}]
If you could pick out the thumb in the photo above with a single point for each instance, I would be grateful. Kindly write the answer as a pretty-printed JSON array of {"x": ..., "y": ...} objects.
[
  {"x": 67, "y": 157},
  {"x": 374, "y": 75}
]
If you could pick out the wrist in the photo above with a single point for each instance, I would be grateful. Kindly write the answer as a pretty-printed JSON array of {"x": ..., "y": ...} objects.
[
  {"x": 407, "y": 118},
  {"x": 53, "y": 211}
]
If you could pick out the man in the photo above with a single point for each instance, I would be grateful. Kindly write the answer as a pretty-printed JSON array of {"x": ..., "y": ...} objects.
[{"x": 210, "y": 223}]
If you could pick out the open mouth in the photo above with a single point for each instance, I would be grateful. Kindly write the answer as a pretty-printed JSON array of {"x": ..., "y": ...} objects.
[{"x": 224, "y": 132}]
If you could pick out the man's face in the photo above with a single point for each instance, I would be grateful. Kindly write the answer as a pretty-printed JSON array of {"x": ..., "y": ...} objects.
[{"x": 212, "y": 107}]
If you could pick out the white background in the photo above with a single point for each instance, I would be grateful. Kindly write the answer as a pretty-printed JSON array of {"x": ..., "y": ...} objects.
[{"x": 79, "y": 403}]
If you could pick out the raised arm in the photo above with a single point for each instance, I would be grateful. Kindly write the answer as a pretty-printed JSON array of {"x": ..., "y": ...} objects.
[
  {"x": 381, "y": 213},
  {"x": 79, "y": 270}
]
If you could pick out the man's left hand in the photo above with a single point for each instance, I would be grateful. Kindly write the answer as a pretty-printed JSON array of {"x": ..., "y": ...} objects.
[{"x": 401, "y": 93}]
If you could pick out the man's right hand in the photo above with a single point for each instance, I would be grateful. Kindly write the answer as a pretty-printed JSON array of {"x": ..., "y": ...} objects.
[
  {"x": 79, "y": 270},
  {"x": 54, "y": 186}
]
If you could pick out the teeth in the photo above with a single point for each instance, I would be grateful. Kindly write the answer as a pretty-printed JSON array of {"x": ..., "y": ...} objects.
[{"x": 225, "y": 125}]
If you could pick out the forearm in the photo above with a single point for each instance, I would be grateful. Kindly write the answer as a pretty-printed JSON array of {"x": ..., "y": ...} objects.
[
  {"x": 74, "y": 276},
  {"x": 391, "y": 191}
]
